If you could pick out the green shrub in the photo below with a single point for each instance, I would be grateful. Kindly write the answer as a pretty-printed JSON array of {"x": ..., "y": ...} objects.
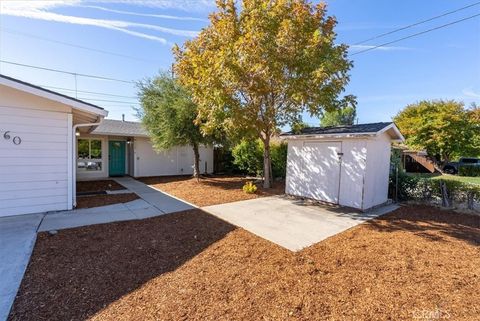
[
  {"x": 248, "y": 156},
  {"x": 249, "y": 188},
  {"x": 466, "y": 170},
  {"x": 278, "y": 153},
  {"x": 411, "y": 187}
]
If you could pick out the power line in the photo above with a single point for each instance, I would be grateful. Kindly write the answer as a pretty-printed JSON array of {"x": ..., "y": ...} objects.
[
  {"x": 67, "y": 72},
  {"x": 416, "y": 23},
  {"x": 15, "y": 32},
  {"x": 414, "y": 35},
  {"x": 88, "y": 92},
  {"x": 110, "y": 101}
]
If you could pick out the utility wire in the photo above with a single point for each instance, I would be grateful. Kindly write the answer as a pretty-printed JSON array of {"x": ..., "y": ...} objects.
[
  {"x": 15, "y": 32},
  {"x": 417, "y": 23},
  {"x": 88, "y": 92},
  {"x": 110, "y": 101},
  {"x": 414, "y": 35},
  {"x": 67, "y": 72}
]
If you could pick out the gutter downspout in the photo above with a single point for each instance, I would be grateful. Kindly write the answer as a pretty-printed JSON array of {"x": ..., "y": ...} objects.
[{"x": 74, "y": 156}]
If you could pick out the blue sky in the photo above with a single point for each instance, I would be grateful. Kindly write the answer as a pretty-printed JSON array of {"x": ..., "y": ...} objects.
[{"x": 440, "y": 64}]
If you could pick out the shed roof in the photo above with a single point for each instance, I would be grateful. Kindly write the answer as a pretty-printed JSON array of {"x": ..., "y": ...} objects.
[
  {"x": 347, "y": 131},
  {"x": 120, "y": 128}
]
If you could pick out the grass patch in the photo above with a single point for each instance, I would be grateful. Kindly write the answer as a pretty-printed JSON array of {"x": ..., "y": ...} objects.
[{"x": 463, "y": 179}]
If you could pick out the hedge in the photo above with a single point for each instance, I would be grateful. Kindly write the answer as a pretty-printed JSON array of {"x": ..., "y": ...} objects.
[
  {"x": 443, "y": 191},
  {"x": 248, "y": 157},
  {"x": 469, "y": 170}
]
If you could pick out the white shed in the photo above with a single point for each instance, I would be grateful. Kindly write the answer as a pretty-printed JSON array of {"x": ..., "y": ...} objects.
[{"x": 344, "y": 165}]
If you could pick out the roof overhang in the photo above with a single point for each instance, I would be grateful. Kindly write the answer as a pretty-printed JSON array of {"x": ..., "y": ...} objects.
[
  {"x": 394, "y": 132},
  {"x": 391, "y": 130},
  {"x": 329, "y": 136},
  {"x": 95, "y": 132},
  {"x": 53, "y": 96}
]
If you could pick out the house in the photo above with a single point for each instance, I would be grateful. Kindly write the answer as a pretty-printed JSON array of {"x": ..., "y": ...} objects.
[
  {"x": 48, "y": 140},
  {"x": 344, "y": 165},
  {"x": 118, "y": 147}
]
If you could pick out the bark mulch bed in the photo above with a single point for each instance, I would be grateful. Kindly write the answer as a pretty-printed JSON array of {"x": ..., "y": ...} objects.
[
  {"x": 415, "y": 263},
  {"x": 210, "y": 190},
  {"x": 98, "y": 186},
  {"x": 104, "y": 199}
]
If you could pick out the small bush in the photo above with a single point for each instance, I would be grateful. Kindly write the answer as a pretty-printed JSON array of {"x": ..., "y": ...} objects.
[
  {"x": 442, "y": 191},
  {"x": 278, "y": 153},
  {"x": 249, "y": 188},
  {"x": 248, "y": 156},
  {"x": 468, "y": 170}
]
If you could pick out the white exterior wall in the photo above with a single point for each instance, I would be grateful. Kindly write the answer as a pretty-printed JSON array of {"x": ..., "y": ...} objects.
[
  {"x": 175, "y": 161},
  {"x": 33, "y": 175},
  {"x": 363, "y": 174},
  {"x": 378, "y": 170},
  {"x": 353, "y": 172}
]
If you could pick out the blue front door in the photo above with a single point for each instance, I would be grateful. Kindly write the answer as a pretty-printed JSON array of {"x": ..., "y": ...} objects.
[{"x": 116, "y": 158}]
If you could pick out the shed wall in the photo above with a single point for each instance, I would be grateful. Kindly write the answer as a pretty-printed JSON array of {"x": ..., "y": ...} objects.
[{"x": 378, "y": 170}]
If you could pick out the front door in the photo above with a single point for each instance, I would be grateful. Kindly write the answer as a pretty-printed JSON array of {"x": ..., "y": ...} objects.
[{"x": 116, "y": 158}]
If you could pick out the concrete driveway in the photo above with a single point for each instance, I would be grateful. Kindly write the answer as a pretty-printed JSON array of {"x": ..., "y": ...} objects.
[
  {"x": 291, "y": 223},
  {"x": 17, "y": 238}
]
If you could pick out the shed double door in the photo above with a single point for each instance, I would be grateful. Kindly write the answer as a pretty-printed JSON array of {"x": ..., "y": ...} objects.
[{"x": 322, "y": 165}]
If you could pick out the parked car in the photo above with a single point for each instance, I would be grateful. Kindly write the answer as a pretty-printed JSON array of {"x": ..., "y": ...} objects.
[{"x": 452, "y": 167}]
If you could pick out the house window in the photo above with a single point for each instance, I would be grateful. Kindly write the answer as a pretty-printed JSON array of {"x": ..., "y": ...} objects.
[{"x": 89, "y": 155}]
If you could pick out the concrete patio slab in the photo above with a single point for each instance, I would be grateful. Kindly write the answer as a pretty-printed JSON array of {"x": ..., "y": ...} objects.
[
  {"x": 162, "y": 201},
  {"x": 291, "y": 223},
  {"x": 17, "y": 238}
]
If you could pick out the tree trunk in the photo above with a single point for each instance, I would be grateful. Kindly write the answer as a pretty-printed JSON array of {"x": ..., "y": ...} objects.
[
  {"x": 267, "y": 164},
  {"x": 196, "y": 161}
]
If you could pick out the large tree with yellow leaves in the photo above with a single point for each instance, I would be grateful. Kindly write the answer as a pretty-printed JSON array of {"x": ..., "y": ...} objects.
[{"x": 258, "y": 67}]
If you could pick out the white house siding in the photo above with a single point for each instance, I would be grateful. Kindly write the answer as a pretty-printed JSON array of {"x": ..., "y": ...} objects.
[
  {"x": 33, "y": 174},
  {"x": 378, "y": 169},
  {"x": 175, "y": 161}
]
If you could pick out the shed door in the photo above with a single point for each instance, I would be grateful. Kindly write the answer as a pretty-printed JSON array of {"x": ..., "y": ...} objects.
[{"x": 322, "y": 170}]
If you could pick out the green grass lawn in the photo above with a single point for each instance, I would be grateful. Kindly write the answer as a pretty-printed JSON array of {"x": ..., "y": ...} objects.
[{"x": 464, "y": 179}]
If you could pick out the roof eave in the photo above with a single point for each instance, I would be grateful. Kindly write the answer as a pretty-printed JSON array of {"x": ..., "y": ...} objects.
[
  {"x": 314, "y": 136},
  {"x": 119, "y": 134}
]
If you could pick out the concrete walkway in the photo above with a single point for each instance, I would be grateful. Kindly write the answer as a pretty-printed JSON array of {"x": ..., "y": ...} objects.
[
  {"x": 161, "y": 200},
  {"x": 17, "y": 238},
  {"x": 291, "y": 223}
]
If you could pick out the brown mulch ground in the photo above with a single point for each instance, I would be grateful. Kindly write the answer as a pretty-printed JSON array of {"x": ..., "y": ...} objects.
[
  {"x": 98, "y": 186},
  {"x": 104, "y": 199},
  {"x": 412, "y": 264},
  {"x": 210, "y": 190}
]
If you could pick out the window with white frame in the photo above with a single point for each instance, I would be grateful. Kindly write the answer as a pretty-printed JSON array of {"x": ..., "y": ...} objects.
[{"x": 89, "y": 154}]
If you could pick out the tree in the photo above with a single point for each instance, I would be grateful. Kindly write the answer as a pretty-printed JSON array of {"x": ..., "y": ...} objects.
[
  {"x": 441, "y": 127},
  {"x": 343, "y": 116},
  {"x": 258, "y": 68},
  {"x": 168, "y": 113}
]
